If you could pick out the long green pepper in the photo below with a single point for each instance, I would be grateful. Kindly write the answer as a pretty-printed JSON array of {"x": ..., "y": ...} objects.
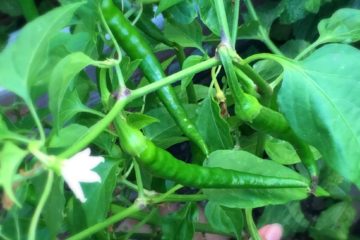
[
  {"x": 162, "y": 164},
  {"x": 134, "y": 44},
  {"x": 264, "y": 119}
]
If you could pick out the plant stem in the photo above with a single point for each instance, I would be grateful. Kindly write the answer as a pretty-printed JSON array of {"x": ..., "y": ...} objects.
[
  {"x": 155, "y": 220},
  {"x": 168, "y": 193},
  {"x": 37, "y": 122},
  {"x": 211, "y": 62},
  {"x": 94, "y": 130},
  {"x": 139, "y": 179},
  {"x": 180, "y": 198},
  {"x": 106, "y": 26},
  {"x": 310, "y": 48},
  {"x": 263, "y": 32},
  {"x": 221, "y": 15},
  {"x": 111, "y": 220},
  {"x": 140, "y": 224},
  {"x": 269, "y": 56},
  {"x": 251, "y": 225},
  {"x": 235, "y": 23},
  {"x": 40, "y": 206},
  {"x": 29, "y": 9}
]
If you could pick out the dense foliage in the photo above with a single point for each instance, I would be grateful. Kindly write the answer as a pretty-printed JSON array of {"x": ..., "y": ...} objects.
[{"x": 243, "y": 112}]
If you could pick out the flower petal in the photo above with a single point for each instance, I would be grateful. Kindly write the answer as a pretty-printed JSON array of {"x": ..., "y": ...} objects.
[
  {"x": 93, "y": 161},
  {"x": 82, "y": 155},
  {"x": 88, "y": 176},
  {"x": 76, "y": 189}
]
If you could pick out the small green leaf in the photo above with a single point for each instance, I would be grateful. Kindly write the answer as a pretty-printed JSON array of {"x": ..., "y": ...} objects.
[
  {"x": 223, "y": 219},
  {"x": 295, "y": 10},
  {"x": 22, "y": 61},
  {"x": 180, "y": 225},
  {"x": 281, "y": 151},
  {"x": 251, "y": 198},
  {"x": 67, "y": 136},
  {"x": 11, "y": 8},
  {"x": 342, "y": 26},
  {"x": 165, "y": 4},
  {"x": 319, "y": 98},
  {"x": 208, "y": 14},
  {"x": 53, "y": 210},
  {"x": 288, "y": 215},
  {"x": 212, "y": 127},
  {"x": 11, "y": 157},
  {"x": 140, "y": 120},
  {"x": 189, "y": 61},
  {"x": 293, "y": 47},
  {"x": 99, "y": 195},
  {"x": 335, "y": 222},
  {"x": 165, "y": 132},
  {"x": 184, "y": 12},
  {"x": 61, "y": 81},
  {"x": 249, "y": 30},
  {"x": 186, "y": 35}
]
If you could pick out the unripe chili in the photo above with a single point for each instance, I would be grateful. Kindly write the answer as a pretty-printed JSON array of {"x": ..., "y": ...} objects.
[
  {"x": 162, "y": 164},
  {"x": 264, "y": 119},
  {"x": 136, "y": 46}
]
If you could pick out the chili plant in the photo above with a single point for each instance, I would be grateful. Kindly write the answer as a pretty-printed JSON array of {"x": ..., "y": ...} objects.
[{"x": 245, "y": 113}]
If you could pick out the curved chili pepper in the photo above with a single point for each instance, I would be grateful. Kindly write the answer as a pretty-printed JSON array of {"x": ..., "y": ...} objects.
[
  {"x": 134, "y": 44},
  {"x": 162, "y": 164},
  {"x": 264, "y": 119}
]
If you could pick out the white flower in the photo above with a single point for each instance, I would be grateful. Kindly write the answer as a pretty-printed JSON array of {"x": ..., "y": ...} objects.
[{"x": 78, "y": 169}]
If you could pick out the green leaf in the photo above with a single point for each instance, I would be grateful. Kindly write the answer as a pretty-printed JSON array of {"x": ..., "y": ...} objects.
[
  {"x": 223, "y": 219},
  {"x": 11, "y": 8},
  {"x": 180, "y": 226},
  {"x": 71, "y": 106},
  {"x": 67, "y": 136},
  {"x": 293, "y": 47},
  {"x": 281, "y": 151},
  {"x": 165, "y": 4},
  {"x": 252, "y": 198},
  {"x": 128, "y": 67},
  {"x": 22, "y": 61},
  {"x": 334, "y": 183},
  {"x": 319, "y": 98},
  {"x": 165, "y": 132},
  {"x": 184, "y": 12},
  {"x": 268, "y": 69},
  {"x": 53, "y": 211},
  {"x": 140, "y": 120},
  {"x": 295, "y": 10},
  {"x": 208, "y": 15},
  {"x": 249, "y": 30},
  {"x": 289, "y": 216},
  {"x": 61, "y": 81},
  {"x": 335, "y": 222},
  {"x": 189, "y": 61},
  {"x": 189, "y": 35},
  {"x": 212, "y": 127},
  {"x": 99, "y": 195},
  {"x": 342, "y": 26},
  {"x": 11, "y": 157},
  {"x": 268, "y": 12}
]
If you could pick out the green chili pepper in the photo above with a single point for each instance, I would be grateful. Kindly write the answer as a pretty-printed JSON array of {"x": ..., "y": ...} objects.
[
  {"x": 264, "y": 119},
  {"x": 136, "y": 47},
  {"x": 162, "y": 164}
]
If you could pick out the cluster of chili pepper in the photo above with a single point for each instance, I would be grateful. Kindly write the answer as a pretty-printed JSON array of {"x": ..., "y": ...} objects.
[
  {"x": 135, "y": 45},
  {"x": 162, "y": 163}
]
